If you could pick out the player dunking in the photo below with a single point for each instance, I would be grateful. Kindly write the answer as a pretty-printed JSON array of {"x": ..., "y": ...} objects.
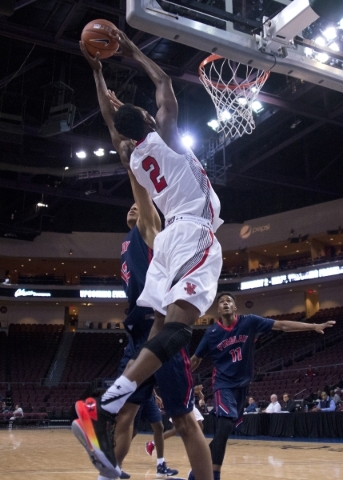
[
  {"x": 172, "y": 274},
  {"x": 230, "y": 343}
]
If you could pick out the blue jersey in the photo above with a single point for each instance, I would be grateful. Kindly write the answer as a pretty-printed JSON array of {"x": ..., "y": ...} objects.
[
  {"x": 232, "y": 349},
  {"x": 135, "y": 259}
]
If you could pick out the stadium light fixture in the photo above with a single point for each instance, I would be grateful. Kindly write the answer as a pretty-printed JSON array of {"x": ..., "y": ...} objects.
[
  {"x": 100, "y": 152},
  {"x": 214, "y": 124},
  {"x": 187, "y": 140}
]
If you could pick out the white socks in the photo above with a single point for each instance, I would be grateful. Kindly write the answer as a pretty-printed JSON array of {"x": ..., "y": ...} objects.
[
  {"x": 115, "y": 397},
  {"x": 160, "y": 461}
]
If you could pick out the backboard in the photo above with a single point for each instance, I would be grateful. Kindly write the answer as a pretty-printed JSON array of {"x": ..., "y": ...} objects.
[{"x": 275, "y": 41}]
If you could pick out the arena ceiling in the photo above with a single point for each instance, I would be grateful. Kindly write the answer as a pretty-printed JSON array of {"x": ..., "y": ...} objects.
[{"x": 293, "y": 159}]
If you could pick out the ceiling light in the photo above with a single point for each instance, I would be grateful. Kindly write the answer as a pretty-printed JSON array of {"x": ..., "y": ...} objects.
[
  {"x": 187, "y": 140},
  {"x": 225, "y": 115},
  {"x": 320, "y": 41},
  {"x": 257, "y": 106},
  {"x": 308, "y": 51},
  {"x": 330, "y": 33},
  {"x": 334, "y": 46},
  {"x": 39, "y": 204},
  {"x": 112, "y": 152},
  {"x": 81, "y": 154},
  {"x": 100, "y": 152},
  {"x": 340, "y": 23},
  {"x": 214, "y": 124},
  {"x": 242, "y": 101},
  {"x": 66, "y": 168},
  {"x": 322, "y": 57}
]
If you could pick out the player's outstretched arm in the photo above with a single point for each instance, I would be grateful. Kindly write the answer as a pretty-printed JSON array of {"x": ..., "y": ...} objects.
[
  {"x": 289, "y": 326},
  {"x": 149, "y": 222},
  {"x": 166, "y": 117},
  {"x": 106, "y": 103},
  {"x": 195, "y": 362}
]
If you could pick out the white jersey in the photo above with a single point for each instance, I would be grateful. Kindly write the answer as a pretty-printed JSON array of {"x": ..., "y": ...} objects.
[{"x": 177, "y": 183}]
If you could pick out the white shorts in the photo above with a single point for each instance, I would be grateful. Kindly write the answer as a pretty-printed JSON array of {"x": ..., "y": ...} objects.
[
  {"x": 197, "y": 414},
  {"x": 186, "y": 266}
]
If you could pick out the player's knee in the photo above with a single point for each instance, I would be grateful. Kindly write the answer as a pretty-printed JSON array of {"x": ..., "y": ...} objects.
[
  {"x": 185, "y": 425},
  {"x": 157, "y": 428},
  {"x": 169, "y": 341}
]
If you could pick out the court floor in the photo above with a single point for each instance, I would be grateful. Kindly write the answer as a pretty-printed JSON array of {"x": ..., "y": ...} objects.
[{"x": 56, "y": 455}]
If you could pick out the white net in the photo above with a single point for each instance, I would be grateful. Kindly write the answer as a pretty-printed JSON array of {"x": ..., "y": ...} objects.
[{"x": 233, "y": 88}]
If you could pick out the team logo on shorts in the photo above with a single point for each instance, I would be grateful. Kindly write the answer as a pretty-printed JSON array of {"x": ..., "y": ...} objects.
[
  {"x": 190, "y": 288},
  {"x": 125, "y": 274}
]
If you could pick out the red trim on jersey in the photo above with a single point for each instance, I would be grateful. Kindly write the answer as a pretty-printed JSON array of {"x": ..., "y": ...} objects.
[
  {"x": 228, "y": 329},
  {"x": 198, "y": 265},
  {"x": 219, "y": 402},
  {"x": 150, "y": 254},
  {"x": 140, "y": 141},
  {"x": 187, "y": 369}
]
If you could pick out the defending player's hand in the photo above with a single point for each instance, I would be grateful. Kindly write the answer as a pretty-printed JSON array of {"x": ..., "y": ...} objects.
[
  {"x": 320, "y": 327},
  {"x": 126, "y": 47},
  {"x": 114, "y": 101},
  {"x": 94, "y": 62}
]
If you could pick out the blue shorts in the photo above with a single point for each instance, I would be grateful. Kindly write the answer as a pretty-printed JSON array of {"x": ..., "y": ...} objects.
[
  {"x": 229, "y": 402},
  {"x": 144, "y": 391},
  {"x": 175, "y": 382},
  {"x": 149, "y": 411}
]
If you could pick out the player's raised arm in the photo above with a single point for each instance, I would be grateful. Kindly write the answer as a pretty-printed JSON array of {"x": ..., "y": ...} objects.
[
  {"x": 149, "y": 222},
  {"x": 166, "y": 117},
  {"x": 289, "y": 326},
  {"x": 107, "y": 105}
]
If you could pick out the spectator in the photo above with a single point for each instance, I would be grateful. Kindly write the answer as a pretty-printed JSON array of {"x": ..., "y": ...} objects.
[
  {"x": 251, "y": 408},
  {"x": 18, "y": 413},
  {"x": 326, "y": 404},
  {"x": 337, "y": 397},
  {"x": 4, "y": 408},
  {"x": 274, "y": 406},
  {"x": 289, "y": 404}
]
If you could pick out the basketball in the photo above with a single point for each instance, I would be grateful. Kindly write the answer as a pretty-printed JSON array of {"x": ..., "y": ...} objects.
[{"x": 97, "y": 37}]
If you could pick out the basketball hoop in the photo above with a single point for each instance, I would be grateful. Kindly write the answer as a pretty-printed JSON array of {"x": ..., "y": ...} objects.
[{"x": 233, "y": 88}]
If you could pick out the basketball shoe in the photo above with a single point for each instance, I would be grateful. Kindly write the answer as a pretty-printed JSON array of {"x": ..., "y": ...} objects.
[
  {"x": 96, "y": 435},
  {"x": 164, "y": 471},
  {"x": 190, "y": 475},
  {"x": 149, "y": 447}
]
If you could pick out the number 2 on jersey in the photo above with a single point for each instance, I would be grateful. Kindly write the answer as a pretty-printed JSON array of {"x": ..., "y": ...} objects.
[
  {"x": 236, "y": 354},
  {"x": 159, "y": 183}
]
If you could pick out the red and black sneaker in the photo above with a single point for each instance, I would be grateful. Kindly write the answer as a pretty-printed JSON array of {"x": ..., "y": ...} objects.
[
  {"x": 98, "y": 426},
  {"x": 149, "y": 447}
]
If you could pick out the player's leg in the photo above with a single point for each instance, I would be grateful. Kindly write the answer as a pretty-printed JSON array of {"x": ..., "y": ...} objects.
[
  {"x": 170, "y": 433},
  {"x": 228, "y": 405},
  {"x": 124, "y": 430},
  {"x": 153, "y": 414},
  {"x": 178, "y": 401},
  {"x": 196, "y": 446}
]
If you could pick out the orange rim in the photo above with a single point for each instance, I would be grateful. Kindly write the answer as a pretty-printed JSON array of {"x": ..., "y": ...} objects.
[{"x": 222, "y": 86}]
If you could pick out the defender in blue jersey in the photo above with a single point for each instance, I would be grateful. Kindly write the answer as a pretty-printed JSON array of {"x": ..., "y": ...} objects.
[{"x": 230, "y": 343}]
